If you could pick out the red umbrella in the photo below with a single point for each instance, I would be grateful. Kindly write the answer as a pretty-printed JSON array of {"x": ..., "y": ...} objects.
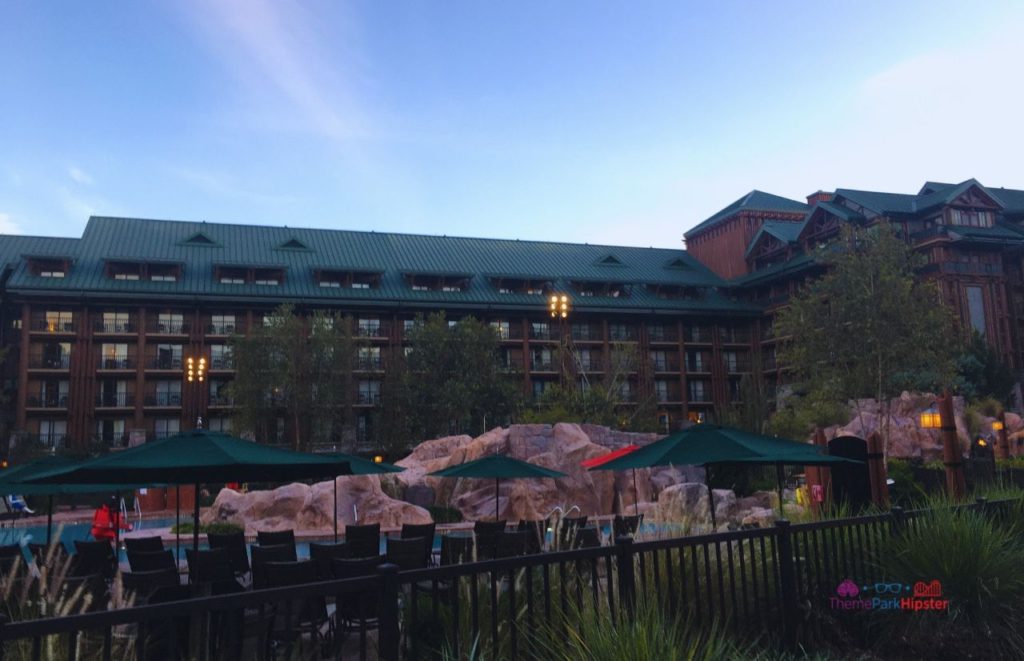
[{"x": 615, "y": 454}]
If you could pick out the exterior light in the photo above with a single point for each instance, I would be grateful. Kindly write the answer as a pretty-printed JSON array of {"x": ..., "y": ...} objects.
[
  {"x": 997, "y": 425},
  {"x": 982, "y": 443},
  {"x": 3, "y": 464},
  {"x": 378, "y": 459},
  {"x": 931, "y": 419},
  {"x": 559, "y": 306}
]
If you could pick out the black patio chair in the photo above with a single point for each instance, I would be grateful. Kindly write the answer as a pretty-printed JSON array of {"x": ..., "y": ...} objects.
[
  {"x": 510, "y": 544},
  {"x": 424, "y": 530},
  {"x": 363, "y": 541},
  {"x": 93, "y": 558},
  {"x": 587, "y": 537},
  {"x": 406, "y": 553},
  {"x": 299, "y": 616},
  {"x": 456, "y": 549},
  {"x": 486, "y": 533},
  {"x": 147, "y": 561},
  {"x": 213, "y": 568},
  {"x": 275, "y": 537},
  {"x": 50, "y": 555},
  {"x": 356, "y": 609},
  {"x": 323, "y": 555},
  {"x": 140, "y": 585},
  {"x": 12, "y": 560},
  {"x": 261, "y": 555},
  {"x": 143, "y": 544},
  {"x": 568, "y": 529},
  {"x": 626, "y": 526},
  {"x": 535, "y": 531},
  {"x": 234, "y": 544}
]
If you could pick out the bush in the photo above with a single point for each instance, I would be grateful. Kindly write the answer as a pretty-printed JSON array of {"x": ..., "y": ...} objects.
[
  {"x": 442, "y": 514},
  {"x": 905, "y": 490},
  {"x": 217, "y": 528}
]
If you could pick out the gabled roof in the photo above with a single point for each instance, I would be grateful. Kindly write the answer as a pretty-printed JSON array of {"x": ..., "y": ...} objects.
[
  {"x": 755, "y": 200},
  {"x": 948, "y": 194},
  {"x": 1012, "y": 200},
  {"x": 881, "y": 203},
  {"x": 933, "y": 187},
  {"x": 783, "y": 230},
  {"x": 391, "y": 255}
]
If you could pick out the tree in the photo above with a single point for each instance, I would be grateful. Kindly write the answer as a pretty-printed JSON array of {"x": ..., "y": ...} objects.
[
  {"x": 867, "y": 327},
  {"x": 982, "y": 373},
  {"x": 453, "y": 381},
  {"x": 297, "y": 366}
]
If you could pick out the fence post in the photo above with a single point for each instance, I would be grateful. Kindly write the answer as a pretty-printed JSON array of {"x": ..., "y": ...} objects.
[
  {"x": 787, "y": 578},
  {"x": 627, "y": 581},
  {"x": 388, "y": 635},
  {"x": 898, "y": 521},
  {"x": 3, "y": 643}
]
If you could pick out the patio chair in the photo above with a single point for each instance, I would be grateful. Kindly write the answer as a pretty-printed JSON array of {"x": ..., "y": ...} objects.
[
  {"x": 363, "y": 541},
  {"x": 301, "y": 615},
  {"x": 323, "y": 555},
  {"x": 587, "y": 537},
  {"x": 626, "y": 526},
  {"x": 234, "y": 544},
  {"x": 356, "y": 609},
  {"x": 144, "y": 544},
  {"x": 275, "y": 537},
  {"x": 535, "y": 531},
  {"x": 50, "y": 555},
  {"x": 16, "y": 503},
  {"x": 424, "y": 530},
  {"x": 93, "y": 558},
  {"x": 568, "y": 529},
  {"x": 213, "y": 568},
  {"x": 456, "y": 549},
  {"x": 147, "y": 561},
  {"x": 261, "y": 555},
  {"x": 510, "y": 543},
  {"x": 11, "y": 557},
  {"x": 486, "y": 533},
  {"x": 406, "y": 553},
  {"x": 142, "y": 584}
]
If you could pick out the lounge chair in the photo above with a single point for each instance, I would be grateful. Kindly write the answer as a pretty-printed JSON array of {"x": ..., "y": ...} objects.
[
  {"x": 323, "y": 555},
  {"x": 93, "y": 558},
  {"x": 424, "y": 530},
  {"x": 18, "y": 505}
]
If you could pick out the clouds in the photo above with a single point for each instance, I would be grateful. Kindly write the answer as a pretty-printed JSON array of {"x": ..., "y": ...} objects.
[
  {"x": 7, "y": 225},
  {"x": 79, "y": 176}
]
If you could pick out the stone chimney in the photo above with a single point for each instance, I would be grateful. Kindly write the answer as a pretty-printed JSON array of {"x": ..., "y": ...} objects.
[{"x": 818, "y": 196}]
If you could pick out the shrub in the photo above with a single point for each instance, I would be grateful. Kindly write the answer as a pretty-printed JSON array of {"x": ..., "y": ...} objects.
[
  {"x": 217, "y": 528},
  {"x": 905, "y": 490},
  {"x": 442, "y": 514}
]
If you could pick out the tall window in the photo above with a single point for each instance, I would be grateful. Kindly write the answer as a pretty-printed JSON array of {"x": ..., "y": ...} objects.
[
  {"x": 501, "y": 328},
  {"x": 369, "y": 358},
  {"x": 698, "y": 391},
  {"x": 222, "y": 324},
  {"x": 115, "y": 322},
  {"x": 369, "y": 392},
  {"x": 52, "y": 432},
  {"x": 111, "y": 431},
  {"x": 369, "y": 327},
  {"x": 114, "y": 356},
  {"x": 220, "y": 357},
  {"x": 168, "y": 393},
  {"x": 59, "y": 321},
  {"x": 164, "y": 427},
  {"x": 661, "y": 390},
  {"x": 170, "y": 322},
  {"x": 168, "y": 356},
  {"x": 976, "y": 308}
]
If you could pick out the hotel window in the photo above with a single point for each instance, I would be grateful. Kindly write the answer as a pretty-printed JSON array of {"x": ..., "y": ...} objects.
[
  {"x": 625, "y": 391},
  {"x": 170, "y": 322},
  {"x": 369, "y": 358},
  {"x": 168, "y": 393},
  {"x": 220, "y": 357},
  {"x": 535, "y": 291},
  {"x": 541, "y": 360},
  {"x": 588, "y": 361},
  {"x": 230, "y": 276},
  {"x": 272, "y": 320},
  {"x": 163, "y": 273},
  {"x": 505, "y": 290},
  {"x": 48, "y": 268},
  {"x": 369, "y": 392},
  {"x": 164, "y": 427},
  {"x": 52, "y": 432},
  {"x": 976, "y": 308},
  {"x": 222, "y": 324},
  {"x": 660, "y": 360},
  {"x": 698, "y": 391},
  {"x": 59, "y": 321},
  {"x": 416, "y": 287},
  {"x": 114, "y": 356},
  {"x": 219, "y": 424},
  {"x": 360, "y": 285},
  {"x": 409, "y": 325},
  {"x": 501, "y": 328},
  {"x": 115, "y": 322},
  {"x": 168, "y": 356},
  {"x": 731, "y": 361},
  {"x": 369, "y": 328},
  {"x": 540, "y": 387},
  {"x": 111, "y": 431},
  {"x": 270, "y": 277},
  {"x": 661, "y": 390},
  {"x": 539, "y": 330},
  {"x": 326, "y": 281},
  {"x": 451, "y": 288},
  {"x": 971, "y": 218}
]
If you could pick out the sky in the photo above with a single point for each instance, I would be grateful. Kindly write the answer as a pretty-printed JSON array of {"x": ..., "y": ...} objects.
[{"x": 582, "y": 121}]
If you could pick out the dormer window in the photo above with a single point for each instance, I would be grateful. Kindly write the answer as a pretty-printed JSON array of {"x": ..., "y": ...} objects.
[
  {"x": 48, "y": 267},
  {"x": 125, "y": 270},
  {"x": 272, "y": 277},
  {"x": 242, "y": 275},
  {"x": 520, "y": 286},
  {"x": 136, "y": 271},
  {"x": 438, "y": 282},
  {"x": 164, "y": 272},
  {"x": 603, "y": 289},
  {"x": 970, "y": 218},
  {"x": 340, "y": 279},
  {"x": 674, "y": 292},
  {"x": 232, "y": 276}
]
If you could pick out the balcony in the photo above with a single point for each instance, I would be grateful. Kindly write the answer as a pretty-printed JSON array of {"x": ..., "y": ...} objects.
[
  {"x": 47, "y": 401},
  {"x": 115, "y": 400},
  {"x": 49, "y": 362},
  {"x": 48, "y": 326},
  {"x": 53, "y": 440},
  {"x": 620, "y": 334},
  {"x": 115, "y": 363},
  {"x": 697, "y": 335},
  {"x": 371, "y": 364},
  {"x": 167, "y": 328},
  {"x": 365, "y": 398},
  {"x": 542, "y": 366},
  {"x": 381, "y": 331},
  {"x": 164, "y": 363},
  {"x": 662, "y": 334},
  {"x": 670, "y": 395},
  {"x": 734, "y": 335},
  {"x": 587, "y": 333},
  {"x": 698, "y": 366},
  {"x": 114, "y": 327},
  {"x": 222, "y": 329},
  {"x": 222, "y": 363},
  {"x": 221, "y": 400},
  {"x": 667, "y": 364},
  {"x": 170, "y": 399},
  {"x": 543, "y": 334}
]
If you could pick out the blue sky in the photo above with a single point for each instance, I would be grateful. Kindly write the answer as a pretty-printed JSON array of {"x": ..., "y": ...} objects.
[{"x": 603, "y": 122}]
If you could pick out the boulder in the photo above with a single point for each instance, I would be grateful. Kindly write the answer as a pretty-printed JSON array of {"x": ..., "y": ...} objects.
[
  {"x": 682, "y": 503},
  {"x": 725, "y": 503},
  {"x": 759, "y": 517}
]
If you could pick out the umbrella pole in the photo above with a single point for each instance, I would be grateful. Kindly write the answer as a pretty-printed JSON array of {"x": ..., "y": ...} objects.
[
  {"x": 711, "y": 496},
  {"x": 195, "y": 520},
  {"x": 496, "y": 480},
  {"x": 117, "y": 525},
  {"x": 49, "y": 519},
  {"x": 636, "y": 496},
  {"x": 778, "y": 477},
  {"x": 335, "y": 509},
  {"x": 177, "y": 525}
]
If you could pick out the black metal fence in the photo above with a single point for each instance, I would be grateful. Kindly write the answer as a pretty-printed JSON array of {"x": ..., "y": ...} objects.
[{"x": 756, "y": 581}]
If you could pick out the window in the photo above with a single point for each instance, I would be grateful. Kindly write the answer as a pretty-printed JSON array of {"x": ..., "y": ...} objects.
[
  {"x": 219, "y": 424},
  {"x": 221, "y": 357},
  {"x": 51, "y": 274},
  {"x": 369, "y": 328},
  {"x": 168, "y": 357},
  {"x": 114, "y": 356},
  {"x": 731, "y": 361},
  {"x": 410, "y": 324},
  {"x": 324, "y": 282},
  {"x": 621, "y": 332},
  {"x": 698, "y": 390},
  {"x": 452, "y": 323},
  {"x": 541, "y": 387},
  {"x": 170, "y": 322},
  {"x": 58, "y": 321},
  {"x": 220, "y": 393},
  {"x": 271, "y": 277},
  {"x": 660, "y": 360},
  {"x": 232, "y": 276},
  {"x": 416, "y": 287},
  {"x": 113, "y": 393},
  {"x": 168, "y": 393},
  {"x": 222, "y": 324},
  {"x": 48, "y": 268},
  {"x": 534, "y": 291},
  {"x": 451, "y": 288},
  {"x": 625, "y": 391},
  {"x": 588, "y": 360},
  {"x": 115, "y": 322},
  {"x": 661, "y": 390},
  {"x": 696, "y": 361},
  {"x": 164, "y": 427},
  {"x": 52, "y": 432},
  {"x": 970, "y": 218},
  {"x": 976, "y": 308},
  {"x": 540, "y": 360},
  {"x": 360, "y": 285},
  {"x": 111, "y": 431},
  {"x": 163, "y": 272},
  {"x": 539, "y": 330},
  {"x": 505, "y": 290},
  {"x": 501, "y": 328},
  {"x": 126, "y": 276},
  {"x": 369, "y": 392},
  {"x": 369, "y": 358}
]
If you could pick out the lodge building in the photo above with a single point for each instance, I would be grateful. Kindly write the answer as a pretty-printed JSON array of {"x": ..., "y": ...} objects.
[{"x": 99, "y": 328}]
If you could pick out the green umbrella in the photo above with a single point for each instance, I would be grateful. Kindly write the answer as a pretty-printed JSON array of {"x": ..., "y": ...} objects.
[
  {"x": 359, "y": 466},
  {"x": 12, "y": 481},
  {"x": 195, "y": 457},
  {"x": 496, "y": 466},
  {"x": 708, "y": 445}
]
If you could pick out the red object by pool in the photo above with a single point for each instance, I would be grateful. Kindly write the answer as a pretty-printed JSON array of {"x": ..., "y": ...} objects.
[{"x": 605, "y": 458}]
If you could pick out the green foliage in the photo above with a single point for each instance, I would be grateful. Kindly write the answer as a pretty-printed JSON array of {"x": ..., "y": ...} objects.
[
  {"x": 905, "y": 490},
  {"x": 451, "y": 382},
  {"x": 442, "y": 514},
  {"x": 217, "y": 528},
  {"x": 800, "y": 414},
  {"x": 752, "y": 410},
  {"x": 981, "y": 373},
  {"x": 867, "y": 327},
  {"x": 298, "y": 367}
]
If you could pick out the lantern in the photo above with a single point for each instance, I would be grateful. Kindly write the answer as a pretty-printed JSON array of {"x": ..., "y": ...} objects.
[{"x": 931, "y": 419}]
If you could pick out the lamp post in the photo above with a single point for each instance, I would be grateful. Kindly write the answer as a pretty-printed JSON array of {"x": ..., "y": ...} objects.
[
  {"x": 559, "y": 307},
  {"x": 195, "y": 374},
  {"x": 999, "y": 427}
]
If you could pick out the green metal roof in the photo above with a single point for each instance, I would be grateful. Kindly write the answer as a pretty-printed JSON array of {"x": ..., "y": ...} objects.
[
  {"x": 393, "y": 255},
  {"x": 881, "y": 203},
  {"x": 1013, "y": 200},
  {"x": 755, "y": 200},
  {"x": 783, "y": 230},
  {"x": 798, "y": 263}
]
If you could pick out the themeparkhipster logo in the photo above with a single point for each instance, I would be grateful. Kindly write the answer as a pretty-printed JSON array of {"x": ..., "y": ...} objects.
[{"x": 922, "y": 596}]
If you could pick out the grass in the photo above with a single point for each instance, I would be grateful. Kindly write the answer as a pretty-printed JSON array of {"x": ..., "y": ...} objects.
[{"x": 218, "y": 528}]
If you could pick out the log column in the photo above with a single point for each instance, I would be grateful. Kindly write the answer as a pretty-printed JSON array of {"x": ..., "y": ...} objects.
[
  {"x": 876, "y": 470},
  {"x": 956, "y": 485}
]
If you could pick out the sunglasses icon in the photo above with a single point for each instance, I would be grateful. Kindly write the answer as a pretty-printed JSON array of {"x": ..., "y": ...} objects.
[{"x": 890, "y": 588}]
